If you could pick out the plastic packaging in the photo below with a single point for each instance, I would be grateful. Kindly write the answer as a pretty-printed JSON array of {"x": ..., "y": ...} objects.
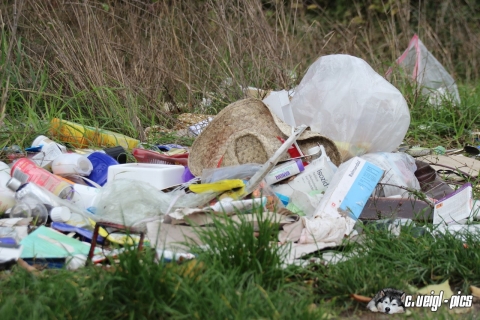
[
  {"x": 7, "y": 196},
  {"x": 160, "y": 176},
  {"x": 343, "y": 98},
  {"x": 43, "y": 141},
  {"x": 26, "y": 170},
  {"x": 242, "y": 171},
  {"x": 399, "y": 170},
  {"x": 313, "y": 181},
  {"x": 50, "y": 151},
  {"x": 72, "y": 164},
  {"x": 81, "y": 136},
  {"x": 264, "y": 190},
  {"x": 149, "y": 156},
  {"x": 128, "y": 202},
  {"x": 187, "y": 175},
  {"x": 428, "y": 72},
  {"x": 100, "y": 162},
  {"x": 230, "y": 206},
  {"x": 284, "y": 171}
]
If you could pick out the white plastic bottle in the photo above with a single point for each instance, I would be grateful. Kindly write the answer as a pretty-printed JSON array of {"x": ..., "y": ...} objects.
[
  {"x": 7, "y": 196},
  {"x": 68, "y": 164}
]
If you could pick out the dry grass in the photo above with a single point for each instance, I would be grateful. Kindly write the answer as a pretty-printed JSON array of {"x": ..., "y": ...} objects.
[{"x": 161, "y": 58}]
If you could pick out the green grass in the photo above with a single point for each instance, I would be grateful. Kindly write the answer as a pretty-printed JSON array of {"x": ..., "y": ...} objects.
[
  {"x": 242, "y": 277},
  {"x": 449, "y": 126},
  {"x": 243, "y": 280}
]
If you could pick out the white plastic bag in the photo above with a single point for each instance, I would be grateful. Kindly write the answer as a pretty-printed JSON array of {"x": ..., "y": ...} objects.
[
  {"x": 128, "y": 202},
  {"x": 133, "y": 203},
  {"x": 399, "y": 170},
  {"x": 425, "y": 69},
  {"x": 343, "y": 98}
]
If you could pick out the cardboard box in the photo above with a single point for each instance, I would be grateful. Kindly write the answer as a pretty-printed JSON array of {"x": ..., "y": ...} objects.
[{"x": 350, "y": 189}]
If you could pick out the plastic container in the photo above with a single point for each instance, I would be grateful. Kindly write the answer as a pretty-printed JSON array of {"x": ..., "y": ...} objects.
[
  {"x": 26, "y": 170},
  {"x": 7, "y": 196},
  {"x": 40, "y": 194},
  {"x": 60, "y": 214},
  {"x": 72, "y": 164},
  {"x": 83, "y": 196},
  {"x": 43, "y": 141},
  {"x": 81, "y": 136},
  {"x": 118, "y": 153},
  {"x": 49, "y": 152},
  {"x": 149, "y": 156},
  {"x": 29, "y": 204},
  {"x": 284, "y": 171},
  {"x": 30, "y": 209},
  {"x": 101, "y": 162},
  {"x": 160, "y": 176}
]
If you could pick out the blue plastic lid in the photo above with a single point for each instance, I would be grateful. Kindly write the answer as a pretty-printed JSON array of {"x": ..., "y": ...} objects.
[{"x": 100, "y": 161}]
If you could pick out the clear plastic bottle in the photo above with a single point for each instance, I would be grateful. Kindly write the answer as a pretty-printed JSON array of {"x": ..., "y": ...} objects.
[
  {"x": 32, "y": 193},
  {"x": 28, "y": 204}
]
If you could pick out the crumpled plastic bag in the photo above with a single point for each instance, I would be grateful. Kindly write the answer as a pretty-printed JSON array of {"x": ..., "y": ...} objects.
[
  {"x": 242, "y": 171},
  {"x": 428, "y": 72},
  {"x": 128, "y": 202},
  {"x": 343, "y": 98},
  {"x": 399, "y": 170}
]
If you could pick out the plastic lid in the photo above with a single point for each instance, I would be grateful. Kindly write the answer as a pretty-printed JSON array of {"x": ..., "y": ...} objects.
[
  {"x": 13, "y": 184},
  {"x": 60, "y": 214}
]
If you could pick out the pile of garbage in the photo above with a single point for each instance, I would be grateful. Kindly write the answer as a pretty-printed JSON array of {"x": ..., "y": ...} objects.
[{"x": 318, "y": 161}]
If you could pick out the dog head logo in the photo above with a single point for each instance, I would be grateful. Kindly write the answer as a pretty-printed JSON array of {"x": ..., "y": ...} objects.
[{"x": 388, "y": 301}]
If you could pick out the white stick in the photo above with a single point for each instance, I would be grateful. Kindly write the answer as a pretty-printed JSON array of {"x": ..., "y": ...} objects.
[{"x": 258, "y": 177}]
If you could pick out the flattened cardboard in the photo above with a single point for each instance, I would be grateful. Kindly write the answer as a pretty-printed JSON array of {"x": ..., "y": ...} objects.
[
  {"x": 172, "y": 237},
  {"x": 468, "y": 165}
]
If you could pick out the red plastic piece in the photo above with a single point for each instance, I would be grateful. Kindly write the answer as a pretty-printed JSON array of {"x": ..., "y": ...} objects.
[{"x": 149, "y": 156}]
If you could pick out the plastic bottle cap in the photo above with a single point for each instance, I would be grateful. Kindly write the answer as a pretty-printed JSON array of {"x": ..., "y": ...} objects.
[
  {"x": 60, "y": 214},
  {"x": 13, "y": 184}
]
